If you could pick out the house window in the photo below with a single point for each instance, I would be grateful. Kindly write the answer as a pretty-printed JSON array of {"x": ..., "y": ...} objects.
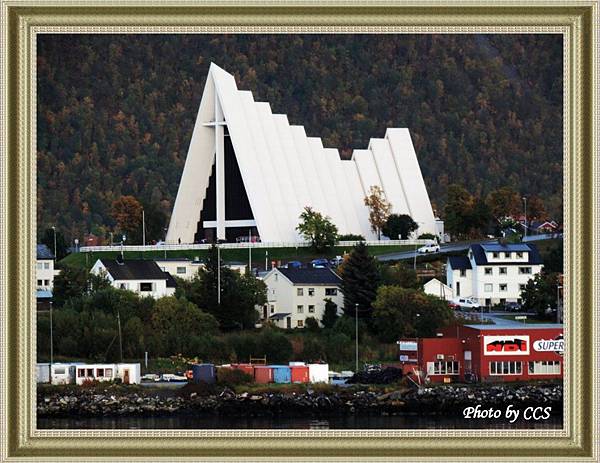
[
  {"x": 123, "y": 286},
  {"x": 520, "y": 255},
  {"x": 40, "y": 282},
  {"x": 311, "y": 291},
  {"x": 525, "y": 270},
  {"x": 522, "y": 287},
  {"x": 488, "y": 287},
  {"x": 146, "y": 287},
  {"x": 46, "y": 265},
  {"x": 300, "y": 323},
  {"x": 181, "y": 270},
  {"x": 505, "y": 368},
  {"x": 99, "y": 372},
  {"x": 311, "y": 309},
  {"x": 80, "y": 373},
  {"x": 488, "y": 270},
  {"x": 442, "y": 368},
  {"x": 59, "y": 371},
  {"x": 272, "y": 309},
  {"x": 39, "y": 266},
  {"x": 463, "y": 272},
  {"x": 507, "y": 255},
  {"x": 300, "y": 309},
  {"x": 502, "y": 301},
  {"x": 300, "y": 291},
  {"x": 502, "y": 270},
  {"x": 488, "y": 302},
  {"x": 503, "y": 287},
  {"x": 551, "y": 367},
  {"x": 46, "y": 282},
  {"x": 108, "y": 372},
  {"x": 330, "y": 291},
  {"x": 89, "y": 372},
  {"x": 496, "y": 255}
]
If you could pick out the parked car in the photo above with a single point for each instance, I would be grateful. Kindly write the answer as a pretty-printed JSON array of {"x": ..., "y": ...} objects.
[
  {"x": 319, "y": 263},
  {"x": 294, "y": 264},
  {"x": 337, "y": 260},
  {"x": 150, "y": 377},
  {"x": 512, "y": 307},
  {"x": 453, "y": 305},
  {"x": 466, "y": 303},
  {"x": 431, "y": 247}
]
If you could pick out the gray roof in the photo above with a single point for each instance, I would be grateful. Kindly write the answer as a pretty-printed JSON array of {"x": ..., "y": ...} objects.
[
  {"x": 44, "y": 253},
  {"x": 498, "y": 247},
  {"x": 526, "y": 326},
  {"x": 134, "y": 270},
  {"x": 311, "y": 276}
]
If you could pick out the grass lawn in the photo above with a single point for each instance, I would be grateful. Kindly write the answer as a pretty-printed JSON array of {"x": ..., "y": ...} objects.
[{"x": 87, "y": 259}]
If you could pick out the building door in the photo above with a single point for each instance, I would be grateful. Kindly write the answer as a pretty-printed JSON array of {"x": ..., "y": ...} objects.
[
  {"x": 288, "y": 322},
  {"x": 126, "y": 376},
  {"x": 265, "y": 310},
  {"x": 458, "y": 288}
]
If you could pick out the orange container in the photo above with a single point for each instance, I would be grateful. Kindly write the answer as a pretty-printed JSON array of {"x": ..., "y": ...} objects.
[
  {"x": 299, "y": 374},
  {"x": 263, "y": 374},
  {"x": 245, "y": 367}
]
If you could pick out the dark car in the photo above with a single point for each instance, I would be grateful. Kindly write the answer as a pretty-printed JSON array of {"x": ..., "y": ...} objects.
[
  {"x": 512, "y": 307},
  {"x": 294, "y": 264},
  {"x": 319, "y": 263}
]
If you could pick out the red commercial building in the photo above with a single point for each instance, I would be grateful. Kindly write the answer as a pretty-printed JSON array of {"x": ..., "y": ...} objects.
[{"x": 486, "y": 353}]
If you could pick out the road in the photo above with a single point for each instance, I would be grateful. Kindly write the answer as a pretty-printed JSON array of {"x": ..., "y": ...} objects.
[
  {"x": 448, "y": 248},
  {"x": 497, "y": 318}
]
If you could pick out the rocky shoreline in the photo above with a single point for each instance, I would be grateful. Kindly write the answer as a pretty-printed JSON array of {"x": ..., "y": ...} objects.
[{"x": 328, "y": 401}]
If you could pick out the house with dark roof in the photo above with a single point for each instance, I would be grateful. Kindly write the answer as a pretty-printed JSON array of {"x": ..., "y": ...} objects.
[
  {"x": 44, "y": 272},
  {"x": 493, "y": 273},
  {"x": 294, "y": 294},
  {"x": 144, "y": 277}
]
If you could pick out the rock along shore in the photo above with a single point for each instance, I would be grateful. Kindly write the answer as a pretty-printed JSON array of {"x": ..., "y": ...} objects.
[{"x": 113, "y": 400}]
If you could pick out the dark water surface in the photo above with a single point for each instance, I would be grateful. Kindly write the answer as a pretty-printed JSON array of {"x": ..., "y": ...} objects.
[{"x": 337, "y": 422}]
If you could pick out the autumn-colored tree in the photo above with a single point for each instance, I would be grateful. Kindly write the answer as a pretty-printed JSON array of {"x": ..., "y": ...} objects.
[
  {"x": 127, "y": 212},
  {"x": 504, "y": 202},
  {"x": 379, "y": 209},
  {"x": 458, "y": 210},
  {"x": 536, "y": 209}
]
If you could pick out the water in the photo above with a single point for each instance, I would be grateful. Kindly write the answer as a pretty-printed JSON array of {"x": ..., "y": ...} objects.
[{"x": 338, "y": 422}]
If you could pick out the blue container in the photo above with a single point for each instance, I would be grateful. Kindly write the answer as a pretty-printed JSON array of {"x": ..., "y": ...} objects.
[
  {"x": 203, "y": 373},
  {"x": 282, "y": 374}
]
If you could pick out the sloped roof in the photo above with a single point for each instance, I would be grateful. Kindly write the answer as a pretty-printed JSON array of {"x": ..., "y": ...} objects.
[
  {"x": 300, "y": 170},
  {"x": 532, "y": 252},
  {"x": 311, "y": 276},
  {"x": 44, "y": 253},
  {"x": 134, "y": 270},
  {"x": 459, "y": 262}
]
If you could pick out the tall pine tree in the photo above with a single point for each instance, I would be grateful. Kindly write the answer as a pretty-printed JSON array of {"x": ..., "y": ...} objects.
[{"x": 360, "y": 280}]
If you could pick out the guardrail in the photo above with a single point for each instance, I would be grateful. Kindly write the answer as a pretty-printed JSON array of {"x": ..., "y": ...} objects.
[{"x": 186, "y": 247}]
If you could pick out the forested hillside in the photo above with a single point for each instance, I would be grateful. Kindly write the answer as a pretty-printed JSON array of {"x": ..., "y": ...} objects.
[{"x": 115, "y": 113}]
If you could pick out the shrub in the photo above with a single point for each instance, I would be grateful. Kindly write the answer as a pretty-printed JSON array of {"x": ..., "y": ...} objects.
[
  {"x": 233, "y": 376},
  {"x": 351, "y": 237},
  {"x": 427, "y": 236}
]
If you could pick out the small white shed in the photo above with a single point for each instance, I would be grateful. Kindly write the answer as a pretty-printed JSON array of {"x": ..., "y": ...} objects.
[
  {"x": 435, "y": 287},
  {"x": 318, "y": 372}
]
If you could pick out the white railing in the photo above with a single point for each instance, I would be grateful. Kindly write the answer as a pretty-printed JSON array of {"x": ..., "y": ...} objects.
[{"x": 185, "y": 247}]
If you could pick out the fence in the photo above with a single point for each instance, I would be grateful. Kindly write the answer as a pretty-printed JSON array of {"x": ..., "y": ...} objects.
[{"x": 186, "y": 247}]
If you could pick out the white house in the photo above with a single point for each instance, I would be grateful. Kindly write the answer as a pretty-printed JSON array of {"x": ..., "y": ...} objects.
[
  {"x": 493, "y": 273},
  {"x": 250, "y": 172},
  {"x": 128, "y": 373},
  {"x": 180, "y": 267},
  {"x": 140, "y": 276},
  {"x": 435, "y": 287},
  {"x": 294, "y": 294}
]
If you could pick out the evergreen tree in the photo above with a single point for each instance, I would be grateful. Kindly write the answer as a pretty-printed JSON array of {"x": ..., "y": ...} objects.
[
  {"x": 399, "y": 226},
  {"x": 329, "y": 314},
  {"x": 360, "y": 279}
]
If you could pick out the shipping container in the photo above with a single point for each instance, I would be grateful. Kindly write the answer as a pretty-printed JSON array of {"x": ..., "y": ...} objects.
[
  {"x": 263, "y": 374},
  {"x": 318, "y": 372},
  {"x": 203, "y": 373},
  {"x": 299, "y": 374},
  {"x": 282, "y": 374}
]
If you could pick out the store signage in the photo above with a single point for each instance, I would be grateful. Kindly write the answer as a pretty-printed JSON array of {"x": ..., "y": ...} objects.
[
  {"x": 407, "y": 345},
  {"x": 550, "y": 345},
  {"x": 506, "y": 345}
]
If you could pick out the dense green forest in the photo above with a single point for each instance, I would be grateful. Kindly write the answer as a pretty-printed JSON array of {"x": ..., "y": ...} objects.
[{"x": 116, "y": 112}]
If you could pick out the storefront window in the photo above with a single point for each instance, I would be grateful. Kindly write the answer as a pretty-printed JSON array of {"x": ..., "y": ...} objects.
[
  {"x": 442, "y": 368},
  {"x": 506, "y": 368},
  {"x": 544, "y": 368}
]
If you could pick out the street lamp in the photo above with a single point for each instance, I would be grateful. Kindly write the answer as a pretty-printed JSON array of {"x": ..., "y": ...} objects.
[
  {"x": 356, "y": 334},
  {"x": 525, "y": 212},
  {"x": 76, "y": 241},
  {"x": 51, "y": 340},
  {"x": 218, "y": 274}
]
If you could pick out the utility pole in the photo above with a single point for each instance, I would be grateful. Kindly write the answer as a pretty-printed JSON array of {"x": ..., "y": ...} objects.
[
  {"x": 143, "y": 227},
  {"x": 266, "y": 260},
  {"x": 111, "y": 238},
  {"x": 525, "y": 210},
  {"x": 356, "y": 334},
  {"x": 54, "y": 230},
  {"x": 120, "y": 340},
  {"x": 558, "y": 309},
  {"x": 218, "y": 274},
  {"x": 51, "y": 341},
  {"x": 249, "y": 250}
]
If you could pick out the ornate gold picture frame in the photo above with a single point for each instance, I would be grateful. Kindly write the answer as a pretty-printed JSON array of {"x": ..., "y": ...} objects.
[{"x": 22, "y": 21}]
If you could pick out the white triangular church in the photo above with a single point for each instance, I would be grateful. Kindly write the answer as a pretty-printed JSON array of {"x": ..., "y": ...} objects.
[{"x": 249, "y": 172}]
